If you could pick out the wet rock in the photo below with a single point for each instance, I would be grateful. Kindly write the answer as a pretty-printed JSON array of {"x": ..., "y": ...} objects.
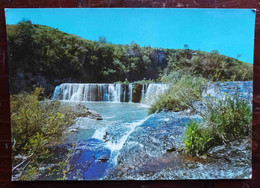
[
  {"x": 238, "y": 151},
  {"x": 147, "y": 146},
  {"x": 219, "y": 89},
  {"x": 171, "y": 149},
  {"x": 82, "y": 111},
  {"x": 71, "y": 130},
  {"x": 154, "y": 152},
  {"x": 90, "y": 160},
  {"x": 94, "y": 115},
  {"x": 104, "y": 156}
]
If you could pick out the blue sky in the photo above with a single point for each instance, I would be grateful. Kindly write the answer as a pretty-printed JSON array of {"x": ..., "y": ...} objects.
[{"x": 230, "y": 31}]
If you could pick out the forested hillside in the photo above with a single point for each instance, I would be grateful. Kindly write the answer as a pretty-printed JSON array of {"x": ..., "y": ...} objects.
[{"x": 43, "y": 56}]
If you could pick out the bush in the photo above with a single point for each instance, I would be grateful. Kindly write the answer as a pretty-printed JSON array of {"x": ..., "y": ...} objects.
[
  {"x": 181, "y": 95},
  {"x": 197, "y": 139},
  {"x": 225, "y": 120},
  {"x": 35, "y": 126},
  {"x": 232, "y": 116}
]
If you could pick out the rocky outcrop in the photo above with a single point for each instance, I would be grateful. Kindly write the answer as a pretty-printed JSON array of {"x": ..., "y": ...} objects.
[
  {"x": 82, "y": 111},
  {"x": 154, "y": 151},
  {"x": 145, "y": 149},
  {"x": 89, "y": 161}
]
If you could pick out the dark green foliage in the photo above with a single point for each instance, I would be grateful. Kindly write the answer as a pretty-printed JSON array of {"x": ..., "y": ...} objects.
[
  {"x": 224, "y": 121},
  {"x": 212, "y": 66},
  {"x": 181, "y": 95},
  {"x": 44, "y": 56}
]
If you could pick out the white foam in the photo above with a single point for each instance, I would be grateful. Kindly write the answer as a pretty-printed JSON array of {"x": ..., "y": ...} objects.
[
  {"x": 100, "y": 133},
  {"x": 115, "y": 147}
]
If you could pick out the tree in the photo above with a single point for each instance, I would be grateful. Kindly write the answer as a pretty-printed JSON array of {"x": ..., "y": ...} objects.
[
  {"x": 102, "y": 39},
  {"x": 186, "y": 46}
]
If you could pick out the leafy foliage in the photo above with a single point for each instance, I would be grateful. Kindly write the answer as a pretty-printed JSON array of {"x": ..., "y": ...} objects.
[
  {"x": 44, "y": 56},
  {"x": 35, "y": 126},
  {"x": 232, "y": 117},
  {"x": 212, "y": 66},
  {"x": 197, "y": 139}
]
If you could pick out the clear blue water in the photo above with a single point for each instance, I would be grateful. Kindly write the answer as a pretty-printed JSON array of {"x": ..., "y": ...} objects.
[
  {"x": 114, "y": 115},
  {"x": 99, "y": 139}
]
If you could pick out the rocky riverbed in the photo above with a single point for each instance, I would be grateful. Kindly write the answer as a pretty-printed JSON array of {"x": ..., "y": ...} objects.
[
  {"x": 128, "y": 145},
  {"x": 155, "y": 152}
]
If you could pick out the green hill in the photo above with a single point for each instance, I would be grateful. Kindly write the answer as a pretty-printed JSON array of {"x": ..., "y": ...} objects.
[{"x": 41, "y": 55}]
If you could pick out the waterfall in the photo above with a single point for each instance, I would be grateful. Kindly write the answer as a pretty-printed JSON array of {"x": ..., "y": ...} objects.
[
  {"x": 152, "y": 92},
  {"x": 243, "y": 89},
  {"x": 85, "y": 92},
  {"x": 146, "y": 93},
  {"x": 130, "y": 90},
  {"x": 118, "y": 92}
]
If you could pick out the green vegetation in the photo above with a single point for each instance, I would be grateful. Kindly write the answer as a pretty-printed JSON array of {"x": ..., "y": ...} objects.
[
  {"x": 212, "y": 66},
  {"x": 181, "y": 95},
  {"x": 233, "y": 117},
  {"x": 224, "y": 121},
  {"x": 36, "y": 126},
  {"x": 197, "y": 139},
  {"x": 43, "y": 56}
]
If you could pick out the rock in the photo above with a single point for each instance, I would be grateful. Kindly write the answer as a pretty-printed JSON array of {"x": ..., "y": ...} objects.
[
  {"x": 90, "y": 161},
  {"x": 143, "y": 154},
  {"x": 103, "y": 158},
  {"x": 72, "y": 130},
  {"x": 144, "y": 158},
  {"x": 94, "y": 115},
  {"x": 171, "y": 149},
  {"x": 238, "y": 151},
  {"x": 82, "y": 111}
]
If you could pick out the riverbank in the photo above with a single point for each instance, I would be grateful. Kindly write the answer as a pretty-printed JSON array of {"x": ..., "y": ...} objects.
[{"x": 154, "y": 151}]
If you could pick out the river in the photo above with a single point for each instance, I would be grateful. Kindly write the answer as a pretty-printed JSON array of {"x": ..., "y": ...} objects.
[{"x": 129, "y": 144}]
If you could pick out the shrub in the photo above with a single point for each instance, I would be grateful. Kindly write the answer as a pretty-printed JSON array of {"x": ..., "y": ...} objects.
[
  {"x": 224, "y": 121},
  {"x": 232, "y": 116},
  {"x": 197, "y": 139},
  {"x": 35, "y": 126}
]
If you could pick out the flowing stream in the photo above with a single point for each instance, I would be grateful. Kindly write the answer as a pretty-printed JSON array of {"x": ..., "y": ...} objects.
[
  {"x": 127, "y": 135},
  {"x": 99, "y": 142},
  {"x": 123, "y": 107}
]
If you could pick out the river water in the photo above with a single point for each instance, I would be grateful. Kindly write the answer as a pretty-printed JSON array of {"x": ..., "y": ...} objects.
[
  {"x": 128, "y": 143},
  {"x": 99, "y": 142}
]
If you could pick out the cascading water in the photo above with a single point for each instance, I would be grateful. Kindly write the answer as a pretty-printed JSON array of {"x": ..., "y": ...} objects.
[
  {"x": 153, "y": 91},
  {"x": 144, "y": 90},
  {"x": 243, "y": 89},
  {"x": 109, "y": 92},
  {"x": 130, "y": 90},
  {"x": 99, "y": 142},
  {"x": 88, "y": 92},
  {"x": 125, "y": 129}
]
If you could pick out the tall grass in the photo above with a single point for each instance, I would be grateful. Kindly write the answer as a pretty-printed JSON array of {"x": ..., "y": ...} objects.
[
  {"x": 181, "y": 95},
  {"x": 224, "y": 121}
]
